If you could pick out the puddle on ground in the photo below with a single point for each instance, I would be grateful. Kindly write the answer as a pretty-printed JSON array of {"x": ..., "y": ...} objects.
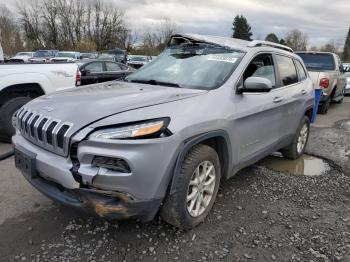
[{"x": 306, "y": 165}]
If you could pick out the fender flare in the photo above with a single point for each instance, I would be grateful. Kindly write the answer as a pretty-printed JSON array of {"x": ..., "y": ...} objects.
[{"x": 189, "y": 143}]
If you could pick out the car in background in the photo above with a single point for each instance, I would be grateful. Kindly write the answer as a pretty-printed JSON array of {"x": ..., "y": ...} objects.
[
  {"x": 107, "y": 56},
  {"x": 138, "y": 61},
  {"x": 327, "y": 72},
  {"x": 88, "y": 55},
  {"x": 21, "y": 57},
  {"x": 66, "y": 56},
  {"x": 120, "y": 55},
  {"x": 97, "y": 71},
  {"x": 347, "y": 88},
  {"x": 43, "y": 56}
]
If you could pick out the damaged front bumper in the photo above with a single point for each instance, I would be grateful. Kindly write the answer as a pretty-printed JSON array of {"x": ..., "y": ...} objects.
[{"x": 106, "y": 204}]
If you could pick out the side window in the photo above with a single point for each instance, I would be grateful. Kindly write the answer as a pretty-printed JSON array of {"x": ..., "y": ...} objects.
[
  {"x": 261, "y": 66},
  {"x": 287, "y": 70},
  {"x": 112, "y": 66},
  {"x": 95, "y": 67},
  {"x": 301, "y": 71}
]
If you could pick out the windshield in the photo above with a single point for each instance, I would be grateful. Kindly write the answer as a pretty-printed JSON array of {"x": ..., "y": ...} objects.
[
  {"x": 138, "y": 58},
  {"x": 66, "y": 54},
  {"x": 197, "y": 66},
  {"x": 318, "y": 62},
  {"x": 42, "y": 54}
]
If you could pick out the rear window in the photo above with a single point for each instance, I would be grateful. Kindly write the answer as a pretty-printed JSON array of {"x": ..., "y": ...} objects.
[{"x": 318, "y": 62}]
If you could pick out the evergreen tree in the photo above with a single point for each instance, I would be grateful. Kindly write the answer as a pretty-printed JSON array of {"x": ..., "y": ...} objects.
[
  {"x": 346, "y": 52},
  {"x": 272, "y": 38},
  {"x": 241, "y": 28},
  {"x": 282, "y": 41}
]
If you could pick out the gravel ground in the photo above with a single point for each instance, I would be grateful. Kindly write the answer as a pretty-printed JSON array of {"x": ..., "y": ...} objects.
[{"x": 260, "y": 215}]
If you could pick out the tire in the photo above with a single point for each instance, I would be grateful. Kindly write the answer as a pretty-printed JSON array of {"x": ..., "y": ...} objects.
[
  {"x": 323, "y": 108},
  {"x": 175, "y": 209},
  {"x": 293, "y": 151},
  {"x": 7, "y": 111}
]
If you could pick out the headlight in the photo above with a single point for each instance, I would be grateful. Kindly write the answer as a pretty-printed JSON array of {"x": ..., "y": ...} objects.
[{"x": 138, "y": 130}]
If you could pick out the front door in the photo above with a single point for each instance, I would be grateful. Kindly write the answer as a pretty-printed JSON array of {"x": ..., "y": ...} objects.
[{"x": 257, "y": 116}]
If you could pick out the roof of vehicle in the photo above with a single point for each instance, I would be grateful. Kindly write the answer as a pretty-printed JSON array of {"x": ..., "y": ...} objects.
[
  {"x": 314, "y": 52},
  {"x": 85, "y": 61},
  {"x": 72, "y": 52},
  {"x": 232, "y": 42}
]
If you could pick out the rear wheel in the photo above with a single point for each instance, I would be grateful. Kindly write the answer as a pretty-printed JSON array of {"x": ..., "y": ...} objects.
[
  {"x": 196, "y": 189},
  {"x": 323, "y": 108},
  {"x": 7, "y": 111},
  {"x": 297, "y": 147}
]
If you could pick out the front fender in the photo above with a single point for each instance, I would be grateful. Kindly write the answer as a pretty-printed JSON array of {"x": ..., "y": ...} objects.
[{"x": 189, "y": 143}]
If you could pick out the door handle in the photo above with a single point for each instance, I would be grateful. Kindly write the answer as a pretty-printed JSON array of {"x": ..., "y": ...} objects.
[
  {"x": 277, "y": 99},
  {"x": 303, "y": 92}
]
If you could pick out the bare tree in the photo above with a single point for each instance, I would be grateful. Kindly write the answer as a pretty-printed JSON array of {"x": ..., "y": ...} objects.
[
  {"x": 66, "y": 24},
  {"x": 297, "y": 40},
  {"x": 9, "y": 32},
  {"x": 30, "y": 19}
]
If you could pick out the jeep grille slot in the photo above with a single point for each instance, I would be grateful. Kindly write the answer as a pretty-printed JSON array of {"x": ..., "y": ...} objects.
[
  {"x": 40, "y": 129},
  {"x": 48, "y": 133}
]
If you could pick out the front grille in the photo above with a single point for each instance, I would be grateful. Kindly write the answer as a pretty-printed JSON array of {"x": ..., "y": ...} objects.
[{"x": 44, "y": 131}]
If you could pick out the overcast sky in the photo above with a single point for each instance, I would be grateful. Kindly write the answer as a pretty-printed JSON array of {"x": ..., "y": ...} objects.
[{"x": 322, "y": 20}]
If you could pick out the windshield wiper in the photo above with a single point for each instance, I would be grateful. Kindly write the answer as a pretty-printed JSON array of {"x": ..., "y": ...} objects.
[{"x": 155, "y": 82}]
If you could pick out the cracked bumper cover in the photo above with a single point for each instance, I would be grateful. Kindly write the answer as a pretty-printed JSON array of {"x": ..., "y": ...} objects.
[{"x": 106, "y": 204}]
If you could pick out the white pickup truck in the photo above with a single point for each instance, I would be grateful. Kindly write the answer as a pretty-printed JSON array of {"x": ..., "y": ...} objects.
[
  {"x": 326, "y": 72},
  {"x": 20, "y": 83}
]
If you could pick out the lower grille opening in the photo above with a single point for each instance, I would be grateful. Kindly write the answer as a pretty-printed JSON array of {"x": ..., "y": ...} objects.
[
  {"x": 114, "y": 164},
  {"x": 76, "y": 163}
]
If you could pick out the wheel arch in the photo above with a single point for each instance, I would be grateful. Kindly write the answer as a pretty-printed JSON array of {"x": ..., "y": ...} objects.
[
  {"x": 308, "y": 112},
  {"x": 219, "y": 140},
  {"x": 32, "y": 90}
]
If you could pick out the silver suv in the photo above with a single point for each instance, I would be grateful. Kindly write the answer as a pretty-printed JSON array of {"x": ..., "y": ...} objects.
[{"x": 164, "y": 139}]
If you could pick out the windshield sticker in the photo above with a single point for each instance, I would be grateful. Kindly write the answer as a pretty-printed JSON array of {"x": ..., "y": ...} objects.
[{"x": 222, "y": 58}]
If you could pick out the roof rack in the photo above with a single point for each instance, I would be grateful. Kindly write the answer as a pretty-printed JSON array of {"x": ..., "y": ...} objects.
[{"x": 256, "y": 43}]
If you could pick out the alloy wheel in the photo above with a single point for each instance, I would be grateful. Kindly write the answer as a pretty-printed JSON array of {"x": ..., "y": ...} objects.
[{"x": 201, "y": 188}]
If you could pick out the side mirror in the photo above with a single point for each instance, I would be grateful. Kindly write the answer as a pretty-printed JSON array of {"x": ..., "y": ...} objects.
[{"x": 256, "y": 85}]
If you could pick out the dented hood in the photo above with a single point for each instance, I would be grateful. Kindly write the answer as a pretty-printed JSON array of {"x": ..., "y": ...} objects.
[{"x": 84, "y": 105}]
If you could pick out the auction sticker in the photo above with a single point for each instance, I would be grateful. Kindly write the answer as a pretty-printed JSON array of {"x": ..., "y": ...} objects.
[{"x": 222, "y": 58}]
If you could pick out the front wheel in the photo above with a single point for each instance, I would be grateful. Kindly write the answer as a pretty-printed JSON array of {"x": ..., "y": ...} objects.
[
  {"x": 297, "y": 147},
  {"x": 196, "y": 189}
]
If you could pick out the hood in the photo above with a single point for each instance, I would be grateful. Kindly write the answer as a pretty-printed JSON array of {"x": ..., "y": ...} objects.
[
  {"x": 315, "y": 77},
  {"x": 84, "y": 105}
]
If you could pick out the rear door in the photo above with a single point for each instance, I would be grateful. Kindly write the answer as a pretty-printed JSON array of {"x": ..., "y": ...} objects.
[
  {"x": 92, "y": 73},
  {"x": 112, "y": 71},
  {"x": 291, "y": 88}
]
